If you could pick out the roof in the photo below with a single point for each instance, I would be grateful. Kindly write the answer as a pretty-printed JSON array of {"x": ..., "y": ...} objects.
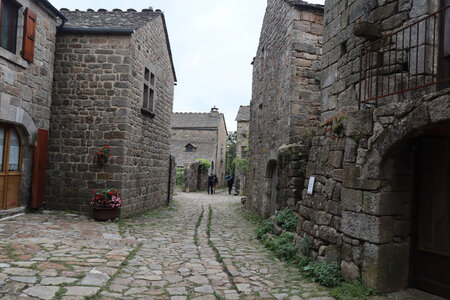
[
  {"x": 306, "y": 5},
  {"x": 196, "y": 120},
  {"x": 243, "y": 114},
  {"x": 130, "y": 19},
  {"x": 115, "y": 22}
]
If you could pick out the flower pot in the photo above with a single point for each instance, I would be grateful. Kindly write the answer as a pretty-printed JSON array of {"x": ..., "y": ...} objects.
[
  {"x": 101, "y": 160},
  {"x": 105, "y": 214}
]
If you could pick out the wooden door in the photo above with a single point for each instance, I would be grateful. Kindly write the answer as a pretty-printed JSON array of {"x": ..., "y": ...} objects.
[
  {"x": 431, "y": 249},
  {"x": 444, "y": 48},
  {"x": 10, "y": 162}
]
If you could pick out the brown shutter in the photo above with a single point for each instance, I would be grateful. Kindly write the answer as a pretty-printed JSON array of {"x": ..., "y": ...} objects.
[
  {"x": 39, "y": 169},
  {"x": 29, "y": 34}
]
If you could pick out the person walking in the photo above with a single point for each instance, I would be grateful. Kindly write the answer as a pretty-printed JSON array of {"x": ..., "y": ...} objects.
[
  {"x": 230, "y": 180},
  {"x": 210, "y": 183},
  {"x": 215, "y": 182}
]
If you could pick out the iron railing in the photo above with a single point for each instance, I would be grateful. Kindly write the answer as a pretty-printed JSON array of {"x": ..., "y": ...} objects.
[{"x": 403, "y": 61}]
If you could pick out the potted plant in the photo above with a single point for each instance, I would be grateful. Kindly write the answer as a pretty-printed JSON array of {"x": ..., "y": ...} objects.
[
  {"x": 103, "y": 154},
  {"x": 105, "y": 204}
]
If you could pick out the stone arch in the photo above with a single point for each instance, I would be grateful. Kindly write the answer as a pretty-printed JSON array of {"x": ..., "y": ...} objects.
[
  {"x": 270, "y": 203},
  {"x": 419, "y": 118},
  {"x": 387, "y": 182},
  {"x": 17, "y": 115}
]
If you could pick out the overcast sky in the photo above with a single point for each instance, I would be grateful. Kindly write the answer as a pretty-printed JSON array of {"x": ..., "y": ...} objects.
[{"x": 213, "y": 43}]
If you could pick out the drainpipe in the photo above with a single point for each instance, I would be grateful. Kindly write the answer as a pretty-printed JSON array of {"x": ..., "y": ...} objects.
[{"x": 169, "y": 186}]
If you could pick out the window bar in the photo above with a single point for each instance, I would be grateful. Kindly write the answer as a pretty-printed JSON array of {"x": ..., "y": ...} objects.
[
  {"x": 417, "y": 54},
  {"x": 425, "y": 55},
  {"x": 395, "y": 62},
  {"x": 434, "y": 48}
]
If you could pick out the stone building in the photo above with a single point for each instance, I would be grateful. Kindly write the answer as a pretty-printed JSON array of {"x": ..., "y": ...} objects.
[
  {"x": 200, "y": 136},
  {"x": 379, "y": 205},
  {"x": 243, "y": 120},
  {"x": 26, "y": 76},
  {"x": 113, "y": 85},
  {"x": 285, "y": 102}
]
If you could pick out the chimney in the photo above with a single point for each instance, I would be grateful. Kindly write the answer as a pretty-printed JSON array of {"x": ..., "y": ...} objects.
[{"x": 214, "y": 111}]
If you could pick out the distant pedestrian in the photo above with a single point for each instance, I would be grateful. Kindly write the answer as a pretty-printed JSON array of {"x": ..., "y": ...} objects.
[
  {"x": 230, "y": 181},
  {"x": 215, "y": 182},
  {"x": 210, "y": 183}
]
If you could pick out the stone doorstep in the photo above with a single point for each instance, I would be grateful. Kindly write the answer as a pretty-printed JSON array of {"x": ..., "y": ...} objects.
[{"x": 11, "y": 213}]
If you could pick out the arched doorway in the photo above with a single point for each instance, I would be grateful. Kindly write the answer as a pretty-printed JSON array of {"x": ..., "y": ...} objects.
[
  {"x": 271, "y": 186},
  {"x": 431, "y": 215},
  {"x": 10, "y": 166}
]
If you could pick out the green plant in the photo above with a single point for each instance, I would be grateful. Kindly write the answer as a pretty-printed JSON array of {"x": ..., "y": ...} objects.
[
  {"x": 284, "y": 247},
  {"x": 241, "y": 164},
  {"x": 204, "y": 164},
  {"x": 302, "y": 261},
  {"x": 326, "y": 274},
  {"x": 180, "y": 176},
  {"x": 286, "y": 219},
  {"x": 304, "y": 245},
  {"x": 265, "y": 227},
  {"x": 351, "y": 290}
]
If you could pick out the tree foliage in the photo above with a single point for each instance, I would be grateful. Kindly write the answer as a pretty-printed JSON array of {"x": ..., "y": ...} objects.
[{"x": 231, "y": 152}]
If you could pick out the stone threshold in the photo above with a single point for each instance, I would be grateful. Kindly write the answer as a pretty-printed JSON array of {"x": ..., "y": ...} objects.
[{"x": 10, "y": 213}]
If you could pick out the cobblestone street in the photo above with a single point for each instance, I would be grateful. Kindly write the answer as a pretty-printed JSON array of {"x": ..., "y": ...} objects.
[{"x": 164, "y": 254}]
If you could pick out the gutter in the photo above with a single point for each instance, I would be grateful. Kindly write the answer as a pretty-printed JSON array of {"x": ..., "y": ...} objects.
[{"x": 82, "y": 30}]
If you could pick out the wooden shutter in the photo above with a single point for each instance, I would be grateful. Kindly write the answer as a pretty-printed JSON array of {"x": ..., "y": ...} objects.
[
  {"x": 29, "y": 34},
  {"x": 39, "y": 169}
]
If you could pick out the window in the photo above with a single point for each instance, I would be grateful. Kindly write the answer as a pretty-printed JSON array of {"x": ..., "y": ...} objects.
[
  {"x": 190, "y": 148},
  {"x": 8, "y": 20},
  {"x": 148, "y": 106}
]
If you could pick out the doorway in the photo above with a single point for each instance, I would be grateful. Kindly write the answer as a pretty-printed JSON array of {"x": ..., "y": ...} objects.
[
  {"x": 10, "y": 167},
  {"x": 431, "y": 243}
]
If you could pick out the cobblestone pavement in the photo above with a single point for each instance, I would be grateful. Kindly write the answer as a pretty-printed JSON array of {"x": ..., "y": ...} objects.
[{"x": 164, "y": 254}]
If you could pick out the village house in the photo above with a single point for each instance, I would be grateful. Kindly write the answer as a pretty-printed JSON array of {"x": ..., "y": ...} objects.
[
  {"x": 379, "y": 205},
  {"x": 199, "y": 136},
  {"x": 113, "y": 85},
  {"x": 243, "y": 120},
  {"x": 27, "y": 51},
  {"x": 375, "y": 195},
  {"x": 285, "y": 104},
  {"x": 97, "y": 78}
]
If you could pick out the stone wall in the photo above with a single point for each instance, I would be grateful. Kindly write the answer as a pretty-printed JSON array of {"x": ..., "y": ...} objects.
[
  {"x": 147, "y": 147},
  {"x": 89, "y": 111},
  {"x": 359, "y": 214},
  {"x": 285, "y": 95},
  {"x": 341, "y": 48},
  {"x": 206, "y": 132},
  {"x": 241, "y": 143},
  {"x": 97, "y": 100},
  {"x": 25, "y": 88},
  {"x": 195, "y": 179}
]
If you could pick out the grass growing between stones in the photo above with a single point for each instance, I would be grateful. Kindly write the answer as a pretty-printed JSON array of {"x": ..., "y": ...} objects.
[
  {"x": 199, "y": 222},
  {"x": 352, "y": 290},
  {"x": 219, "y": 258}
]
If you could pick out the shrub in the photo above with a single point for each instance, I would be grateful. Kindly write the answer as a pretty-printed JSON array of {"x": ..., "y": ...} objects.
[
  {"x": 352, "y": 290},
  {"x": 326, "y": 274},
  {"x": 284, "y": 246},
  {"x": 265, "y": 227},
  {"x": 287, "y": 220},
  {"x": 304, "y": 245},
  {"x": 180, "y": 176},
  {"x": 302, "y": 261},
  {"x": 241, "y": 164},
  {"x": 204, "y": 164}
]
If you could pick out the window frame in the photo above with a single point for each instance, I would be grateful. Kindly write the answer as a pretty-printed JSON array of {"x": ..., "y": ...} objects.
[
  {"x": 149, "y": 92},
  {"x": 13, "y": 28}
]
